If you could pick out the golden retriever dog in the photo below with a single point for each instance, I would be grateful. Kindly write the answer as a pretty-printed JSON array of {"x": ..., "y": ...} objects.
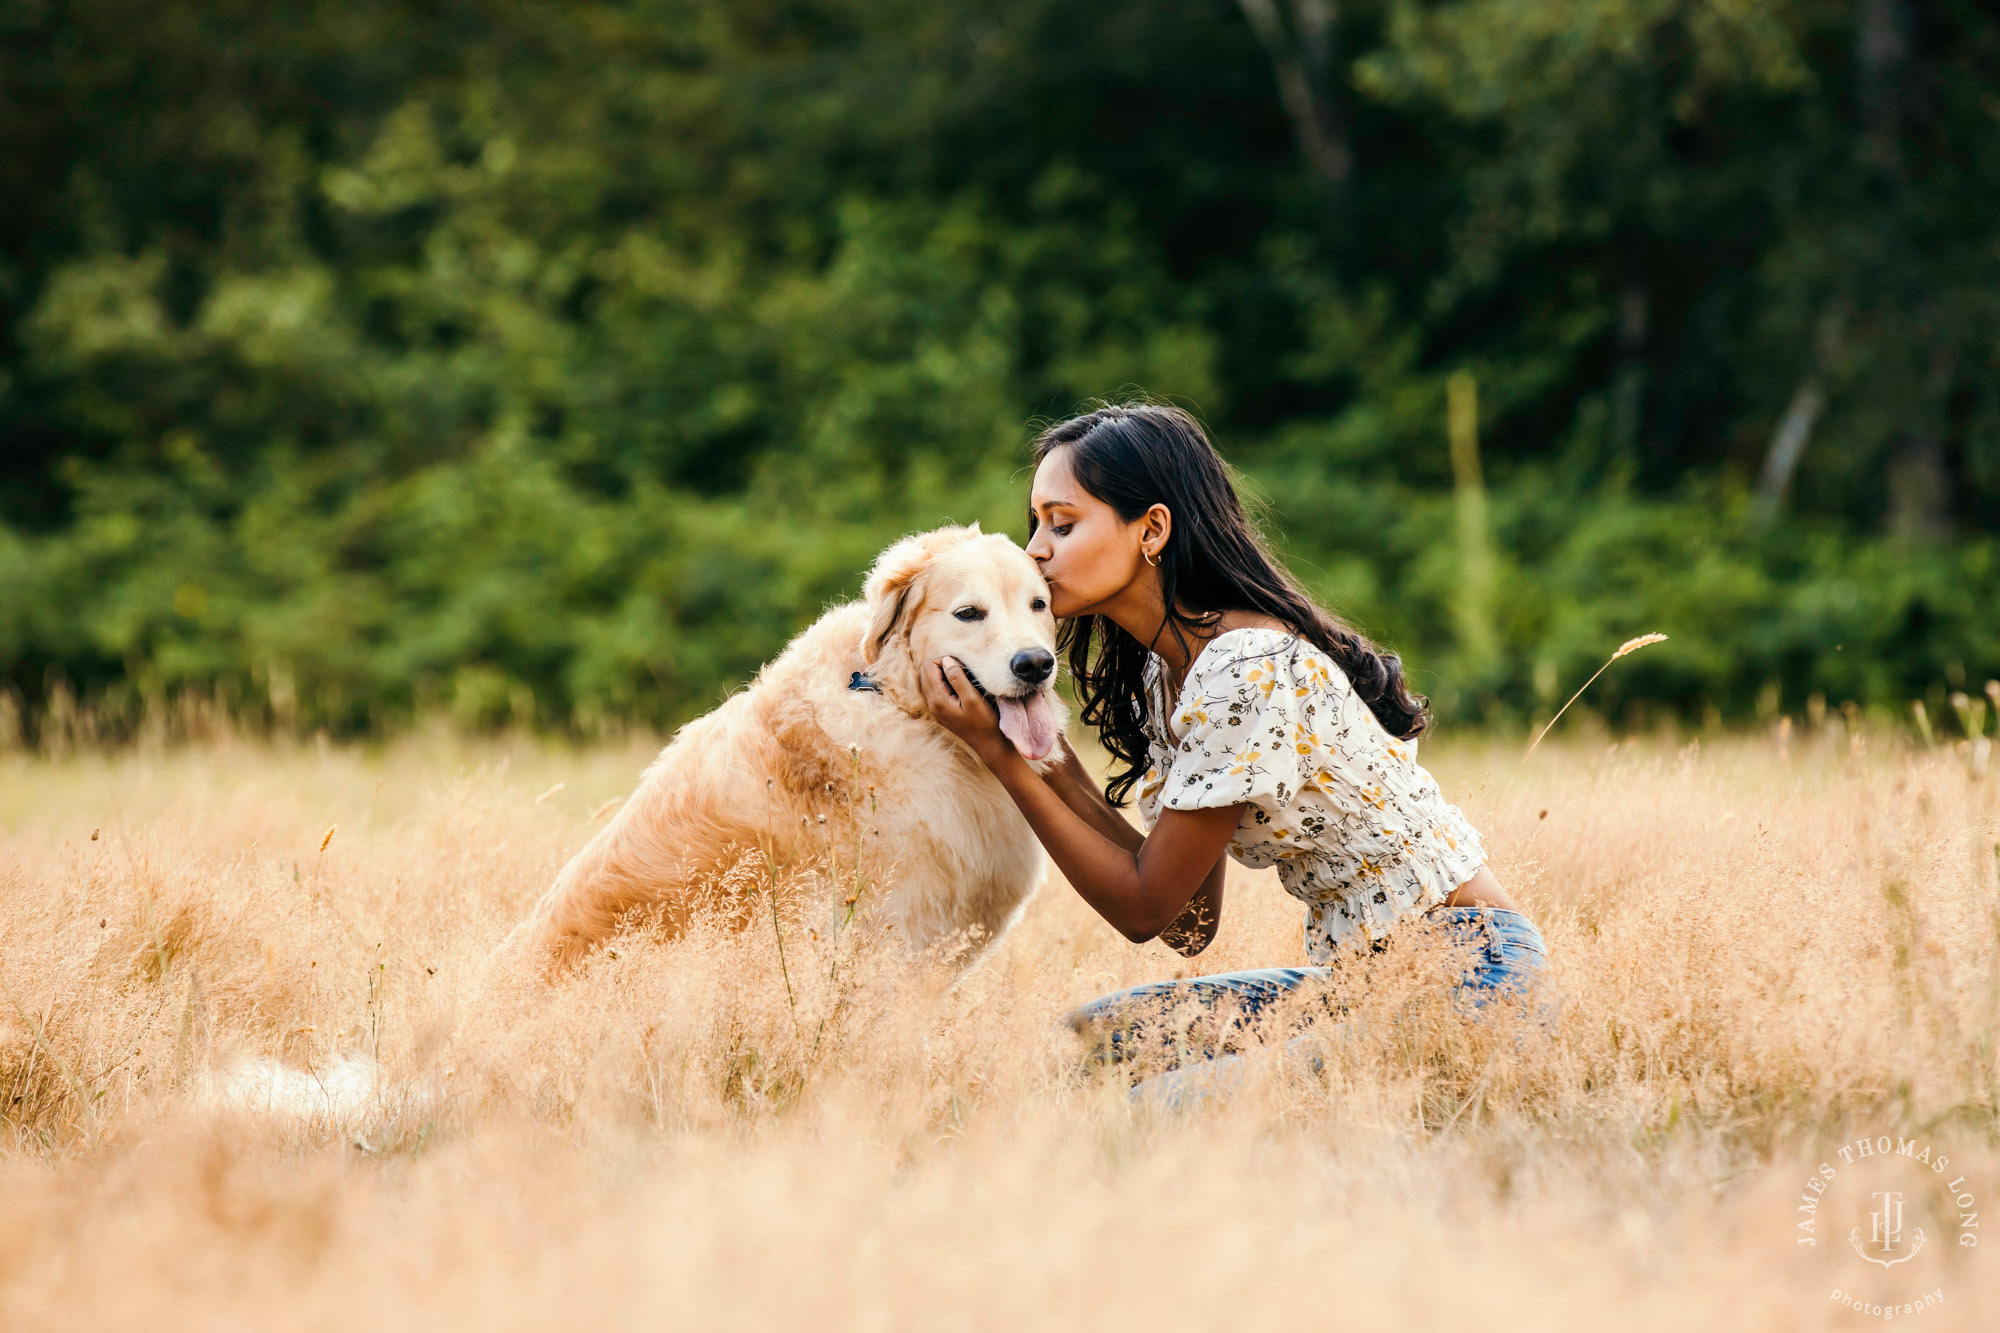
[{"x": 835, "y": 726}]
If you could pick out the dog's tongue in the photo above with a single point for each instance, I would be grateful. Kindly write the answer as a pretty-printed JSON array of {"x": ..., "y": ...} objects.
[{"x": 1030, "y": 723}]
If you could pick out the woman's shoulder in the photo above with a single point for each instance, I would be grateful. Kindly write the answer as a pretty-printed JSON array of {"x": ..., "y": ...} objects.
[
  {"x": 1254, "y": 661},
  {"x": 1232, "y": 654}
]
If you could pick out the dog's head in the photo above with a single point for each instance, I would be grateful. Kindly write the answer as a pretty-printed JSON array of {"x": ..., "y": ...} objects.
[{"x": 959, "y": 592}]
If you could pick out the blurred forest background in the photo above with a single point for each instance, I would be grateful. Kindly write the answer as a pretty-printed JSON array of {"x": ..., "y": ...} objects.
[{"x": 548, "y": 364}]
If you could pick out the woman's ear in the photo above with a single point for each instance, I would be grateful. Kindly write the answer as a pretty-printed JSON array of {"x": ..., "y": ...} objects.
[{"x": 1158, "y": 528}]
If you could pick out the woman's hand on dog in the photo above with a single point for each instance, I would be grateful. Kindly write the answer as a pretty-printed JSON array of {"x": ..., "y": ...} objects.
[{"x": 960, "y": 710}]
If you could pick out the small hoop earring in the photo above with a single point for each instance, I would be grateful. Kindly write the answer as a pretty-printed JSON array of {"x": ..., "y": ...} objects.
[{"x": 1151, "y": 559}]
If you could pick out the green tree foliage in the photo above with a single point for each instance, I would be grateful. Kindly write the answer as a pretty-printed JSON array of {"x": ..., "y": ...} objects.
[{"x": 553, "y": 363}]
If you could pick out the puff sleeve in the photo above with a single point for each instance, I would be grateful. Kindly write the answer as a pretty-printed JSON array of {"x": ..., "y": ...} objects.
[{"x": 1240, "y": 735}]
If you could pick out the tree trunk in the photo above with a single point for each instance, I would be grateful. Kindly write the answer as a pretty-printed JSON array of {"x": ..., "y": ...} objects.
[
  {"x": 1302, "y": 45},
  {"x": 1920, "y": 483},
  {"x": 1788, "y": 442},
  {"x": 1881, "y": 57},
  {"x": 1629, "y": 389}
]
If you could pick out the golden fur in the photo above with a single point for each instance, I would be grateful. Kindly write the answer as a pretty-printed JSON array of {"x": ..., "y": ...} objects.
[{"x": 775, "y": 776}]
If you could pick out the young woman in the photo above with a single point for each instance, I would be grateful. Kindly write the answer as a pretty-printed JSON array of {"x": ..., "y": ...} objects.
[{"x": 1248, "y": 719}]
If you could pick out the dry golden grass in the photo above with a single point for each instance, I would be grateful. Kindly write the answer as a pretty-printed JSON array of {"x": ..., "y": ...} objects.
[{"x": 1766, "y": 952}]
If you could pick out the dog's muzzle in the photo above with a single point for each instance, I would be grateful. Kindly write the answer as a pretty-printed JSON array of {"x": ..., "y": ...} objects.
[{"x": 1027, "y": 719}]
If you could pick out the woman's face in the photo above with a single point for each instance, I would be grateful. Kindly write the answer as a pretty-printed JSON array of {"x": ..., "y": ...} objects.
[{"x": 1088, "y": 554}]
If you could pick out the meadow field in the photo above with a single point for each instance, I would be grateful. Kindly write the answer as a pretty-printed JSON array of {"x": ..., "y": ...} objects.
[{"x": 1769, "y": 947}]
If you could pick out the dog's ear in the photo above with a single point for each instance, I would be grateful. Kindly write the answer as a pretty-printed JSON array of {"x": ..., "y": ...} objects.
[{"x": 892, "y": 584}]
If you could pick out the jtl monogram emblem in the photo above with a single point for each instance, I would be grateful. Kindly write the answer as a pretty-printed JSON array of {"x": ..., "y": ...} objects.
[{"x": 1888, "y": 1233}]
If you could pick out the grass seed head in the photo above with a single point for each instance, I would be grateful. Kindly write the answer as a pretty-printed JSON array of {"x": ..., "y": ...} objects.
[{"x": 1634, "y": 645}]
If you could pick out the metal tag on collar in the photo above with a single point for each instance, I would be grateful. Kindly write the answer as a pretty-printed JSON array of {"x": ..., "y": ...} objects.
[{"x": 861, "y": 680}]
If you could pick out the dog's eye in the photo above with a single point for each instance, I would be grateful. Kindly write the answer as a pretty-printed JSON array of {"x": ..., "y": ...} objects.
[
  {"x": 1039, "y": 604},
  {"x": 969, "y": 613}
]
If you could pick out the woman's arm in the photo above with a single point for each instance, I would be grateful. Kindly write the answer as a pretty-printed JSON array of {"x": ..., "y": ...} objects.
[
  {"x": 1194, "y": 929},
  {"x": 1141, "y": 891},
  {"x": 1069, "y": 781}
]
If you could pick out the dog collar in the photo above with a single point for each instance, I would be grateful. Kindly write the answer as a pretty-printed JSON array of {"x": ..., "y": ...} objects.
[{"x": 861, "y": 680}]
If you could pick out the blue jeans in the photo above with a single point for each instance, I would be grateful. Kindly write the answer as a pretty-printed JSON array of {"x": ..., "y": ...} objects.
[{"x": 1197, "y": 1029}]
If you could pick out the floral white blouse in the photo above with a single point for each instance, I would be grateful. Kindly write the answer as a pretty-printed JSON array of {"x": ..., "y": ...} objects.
[{"x": 1357, "y": 828}]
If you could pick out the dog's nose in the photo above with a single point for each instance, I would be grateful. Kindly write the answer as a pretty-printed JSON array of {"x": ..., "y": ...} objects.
[{"x": 1033, "y": 665}]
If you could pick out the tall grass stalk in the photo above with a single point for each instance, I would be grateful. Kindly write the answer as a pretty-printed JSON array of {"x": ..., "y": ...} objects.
[{"x": 1624, "y": 649}]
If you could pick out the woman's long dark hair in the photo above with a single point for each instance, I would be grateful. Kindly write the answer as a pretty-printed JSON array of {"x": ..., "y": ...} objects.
[{"x": 1133, "y": 458}]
